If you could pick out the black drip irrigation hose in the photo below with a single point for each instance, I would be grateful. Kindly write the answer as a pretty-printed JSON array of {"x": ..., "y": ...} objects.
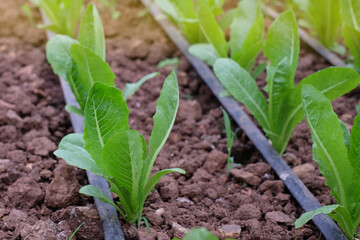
[
  {"x": 107, "y": 213},
  {"x": 304, "y": 197},
  {"x": 312, "y": 42}
]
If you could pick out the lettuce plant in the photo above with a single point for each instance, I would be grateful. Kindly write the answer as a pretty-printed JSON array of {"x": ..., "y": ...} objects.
[
  {"x": 82, "y": 62},
  {"x": 325, "y": 19},
  {"x": 350, "y": 12},
  {"x": 183, "y": 13},
  {"x": 337, "y": 153},
  {"x": 63, "y": 15},
  {"x": 282, "y": 111},
  {"x": 109, "y": 148},
  {"x": 246, "y": 34}
]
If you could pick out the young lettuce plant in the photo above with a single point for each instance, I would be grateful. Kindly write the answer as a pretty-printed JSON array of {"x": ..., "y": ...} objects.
[
  {"x": 325, "y": 19},
  {"x": 82, "y": 62},
  {"x": 63, "y": 14},
  {"x": 183, "y": 13},
  {"x": 110, "y": 149},
  {"x": 246, "y": 35},
  {"x": 350, "y": 12},
  {"x": 337, "y": 153},
  {"x": 282, "y": 111}
]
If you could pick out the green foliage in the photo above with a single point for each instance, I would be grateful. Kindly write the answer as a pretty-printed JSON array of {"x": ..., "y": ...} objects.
[
  {"x": 169, "y": 62},
  {"x": 325, "y": 19},
  {"x": 350, "y": 12},
  {"x": 77, "y": 229},
  {"x": 82, "y": 62},
  {"x": 246, "y": 24},
  {"x": 230, "y": 136},
  {"x": 211, "y": 30},
  {"x": 199, "y": 234},
  {"x": 63, "y": 15},
  {"x": 338, "y": 156},
  {"x": 91, "y": 33},
  {"x": 280, "y": 114},
  {"x": 110, "y": 149}
]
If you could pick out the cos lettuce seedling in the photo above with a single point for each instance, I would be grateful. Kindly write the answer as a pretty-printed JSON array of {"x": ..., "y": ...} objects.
[
  {"x": 337, "y": 153},
  {"x": 81, "y": 62},
  {"x": 282, "y": 111},
  {"x": 325, "y": 20},
  {"x": 63, "y": 15},
  {"x": 246, "y": 34},
  {"x": 109, "y": 148}
]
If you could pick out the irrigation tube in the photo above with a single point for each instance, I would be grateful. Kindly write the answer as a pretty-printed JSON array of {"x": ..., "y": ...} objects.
[
  {"x": 107, "y": 213},
  {"x": 312, "y": 42},
  {"x": 308, "y": 202}
]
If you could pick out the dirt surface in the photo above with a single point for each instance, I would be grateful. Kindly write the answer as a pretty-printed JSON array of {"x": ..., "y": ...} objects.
[{"x": 39, "y": 193}]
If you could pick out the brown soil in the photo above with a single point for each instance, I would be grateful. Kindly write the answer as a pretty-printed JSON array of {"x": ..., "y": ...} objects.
[{"x": 32, "y": 122}]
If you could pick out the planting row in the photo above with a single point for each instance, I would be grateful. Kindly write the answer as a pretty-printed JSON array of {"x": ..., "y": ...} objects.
[
  {"x": 110, "y": 149},
  {"x": 280, "y": 114}
]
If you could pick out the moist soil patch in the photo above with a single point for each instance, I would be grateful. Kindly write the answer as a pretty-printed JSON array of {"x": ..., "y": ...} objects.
[{"x": 39, "y": 193}]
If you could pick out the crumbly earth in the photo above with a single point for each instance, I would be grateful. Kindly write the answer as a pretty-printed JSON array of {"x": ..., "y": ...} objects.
[{"x": 39, "y": 196}]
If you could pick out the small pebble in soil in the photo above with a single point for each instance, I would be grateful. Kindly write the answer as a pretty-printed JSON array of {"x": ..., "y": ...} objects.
[{"x": 230, "y": 231}]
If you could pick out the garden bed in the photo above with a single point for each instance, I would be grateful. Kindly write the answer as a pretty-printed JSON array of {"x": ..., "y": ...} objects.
[{"x": 205, "y": 196}]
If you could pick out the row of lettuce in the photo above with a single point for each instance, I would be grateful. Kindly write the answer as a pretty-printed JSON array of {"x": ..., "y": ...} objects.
[
  {"x": 110, "y": 149},
  {"x": 336, "y": 151},
  {"x": 331, "y": 20}
]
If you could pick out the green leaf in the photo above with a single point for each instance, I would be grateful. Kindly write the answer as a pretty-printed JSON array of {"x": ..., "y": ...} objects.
[
  {"x": 346, "y": 134},
  {"x": 58, "y": 54},
  {"x": 352, "y": 41},
  {"x": 325, "y": 18},
  {"x": 246, "y": 29},
  {"x": 200, "y": 233},
  {"x": 259, "y": 70},
  {"x": 72, "y": 109},
  {"x": 169, "y": 62},
  {"x": 243, "y": 88},
  {"x": 227, "y": 18},
  {"x": 282, "y": 41},
  {"x": 131, "y": 88},
  {"x": 211, "y": 30},
  {"x": 122, "y": 159},
  {"x": 71, "y": 149},
  {"x": 155, "y": 179},
  {"x": 97, "y": 193},
  {"x": 338, "y": 82},
  {"x": 350, "y": 13},
  {"x": 164, "y": 118},
  {"x": 354, "y": 154},
  {"x": 330, "y": 148},
  {"x": 106, "y": 115},
  {"x": 167, "y": 7},
  {"x": 88, "y": 69},
  {"x": 309, "y": 215},
  {"x": 278, "y": 86},
  {"x": 247, "y": 58},
  {"x": 188, "y": 19},
  {"x": 91, "y": 33},
  {"x": 205, "y": 52}
]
